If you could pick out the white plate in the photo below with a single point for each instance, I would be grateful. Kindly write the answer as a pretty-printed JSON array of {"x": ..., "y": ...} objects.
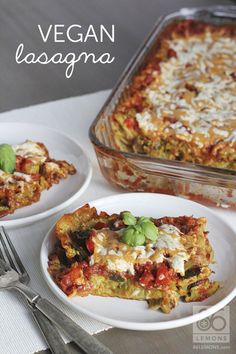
[
  {"x": 60, "y": 147},
  {"x": 135, "y": 315}
]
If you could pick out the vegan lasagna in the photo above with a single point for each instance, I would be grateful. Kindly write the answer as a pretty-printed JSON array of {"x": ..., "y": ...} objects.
[
  {"x": 33, "y": 171},
  {"x": 162, "y": 260},
  {"x": 181, "y": 105}
]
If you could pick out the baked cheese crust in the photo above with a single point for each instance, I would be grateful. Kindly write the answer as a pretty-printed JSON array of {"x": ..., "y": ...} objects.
[{"x": 181, "y": 104}]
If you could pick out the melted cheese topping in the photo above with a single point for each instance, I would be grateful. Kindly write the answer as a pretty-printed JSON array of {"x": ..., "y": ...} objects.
[
  {"x": 32, "y": 150},
  {"x": 119, "y": 257},
  {"x": 8, "y": 178},
  {"x": 197, "y": 88},
  {"x": 23, "y": 176}
]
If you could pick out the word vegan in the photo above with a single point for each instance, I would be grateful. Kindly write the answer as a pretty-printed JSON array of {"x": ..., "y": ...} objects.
[{"x": 75, "y": 33}]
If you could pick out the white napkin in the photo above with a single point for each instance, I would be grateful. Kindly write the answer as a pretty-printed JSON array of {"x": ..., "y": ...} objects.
[{"x": 18, "y": 332}]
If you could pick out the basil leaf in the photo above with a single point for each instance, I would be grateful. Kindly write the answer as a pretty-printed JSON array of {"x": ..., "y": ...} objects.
[
  {"x": 128, "y": 218},
  {"x": 7, "y": 158},
  {"x": 133, "y": 237}
]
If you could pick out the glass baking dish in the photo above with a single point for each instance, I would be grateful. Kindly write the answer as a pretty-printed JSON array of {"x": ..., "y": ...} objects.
[{"x": 136, "y": 172}]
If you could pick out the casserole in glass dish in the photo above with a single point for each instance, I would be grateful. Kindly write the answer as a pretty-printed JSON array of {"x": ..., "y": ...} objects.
[{"x": 169, "y": 125}]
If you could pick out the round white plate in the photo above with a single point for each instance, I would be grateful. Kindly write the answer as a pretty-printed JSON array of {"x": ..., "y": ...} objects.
[
  {"x": 135, "y": 315},
  {"x": 60, "y": 147}
]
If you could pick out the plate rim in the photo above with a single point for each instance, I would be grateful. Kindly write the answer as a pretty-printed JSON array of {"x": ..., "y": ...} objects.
[
  {"x": 131, "y": 325},
  {"x": 47, "y": 213}
]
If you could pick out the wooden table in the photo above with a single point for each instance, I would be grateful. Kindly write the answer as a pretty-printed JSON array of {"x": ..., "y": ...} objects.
[{"x": 22, "y": 85}]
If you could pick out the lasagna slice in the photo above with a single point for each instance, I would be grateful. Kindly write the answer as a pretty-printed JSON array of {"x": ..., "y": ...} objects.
[
  {"x": 34, "y": 172},
  {"x": 92, "y": 255}
]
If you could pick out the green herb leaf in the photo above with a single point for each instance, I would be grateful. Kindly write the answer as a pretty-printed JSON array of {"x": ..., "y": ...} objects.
[
  {"x": 128, "y": 218},
  {"x": 7, "y": 158},
  {"x": 138, "y": 230},
  {"x": 132, "y": 236},
  {"x": 150, "y": 230},
  {"x": 143, "y": 219}
]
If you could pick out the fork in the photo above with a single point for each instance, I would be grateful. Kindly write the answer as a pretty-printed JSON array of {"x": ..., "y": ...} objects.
[
  {"x": 48, "y": 329},
  {"x": 10, "y": 279}
]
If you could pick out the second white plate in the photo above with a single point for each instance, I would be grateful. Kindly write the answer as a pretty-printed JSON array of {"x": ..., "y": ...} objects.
[
  {"x": 132, "y": 314},
  {"x": 60, "y": 147}
]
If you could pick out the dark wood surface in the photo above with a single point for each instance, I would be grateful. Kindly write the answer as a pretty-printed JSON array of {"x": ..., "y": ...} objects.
[{"x": 22, "y": 85}]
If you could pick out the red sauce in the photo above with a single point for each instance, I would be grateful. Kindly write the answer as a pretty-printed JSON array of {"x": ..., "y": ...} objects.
[
  {"x": 89, "y": 243},
  {"x": 100, "y": 225},
  {"x": 151, "y": 275},
  {"x": 171, "y": 53},
  {"x": 94, "y": 269},
  {"x": 131, "y": 123},
  {"x": 19, "y": 160}
]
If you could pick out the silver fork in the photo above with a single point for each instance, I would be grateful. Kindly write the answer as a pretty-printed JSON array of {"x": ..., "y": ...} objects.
[
  {"x": 10, "y": 279},
  {"x": 48, "y": 329}
]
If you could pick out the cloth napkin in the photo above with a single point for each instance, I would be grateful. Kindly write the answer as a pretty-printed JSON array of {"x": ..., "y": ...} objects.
[{"x": 18, "y": 332}]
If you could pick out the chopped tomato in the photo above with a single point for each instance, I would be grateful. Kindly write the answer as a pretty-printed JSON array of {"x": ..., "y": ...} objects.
[
  {"x": 100, "y": 225},
  {"x": 171, "y": 53},
  {"x": 145, "y": 274},
  {"x": 69, "y": 279},
  {"x": 131, "y": 123},
  {"x": 19, "y": 160},
  {"x": 138, "y": 104},
  {"x": 147, "y": 279},
  {"x": 156, "y": 66},
  {"x": 149, "y": 78},
  {"x": 162, "y": 276},
  {"x": 89, "y": 244}
]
